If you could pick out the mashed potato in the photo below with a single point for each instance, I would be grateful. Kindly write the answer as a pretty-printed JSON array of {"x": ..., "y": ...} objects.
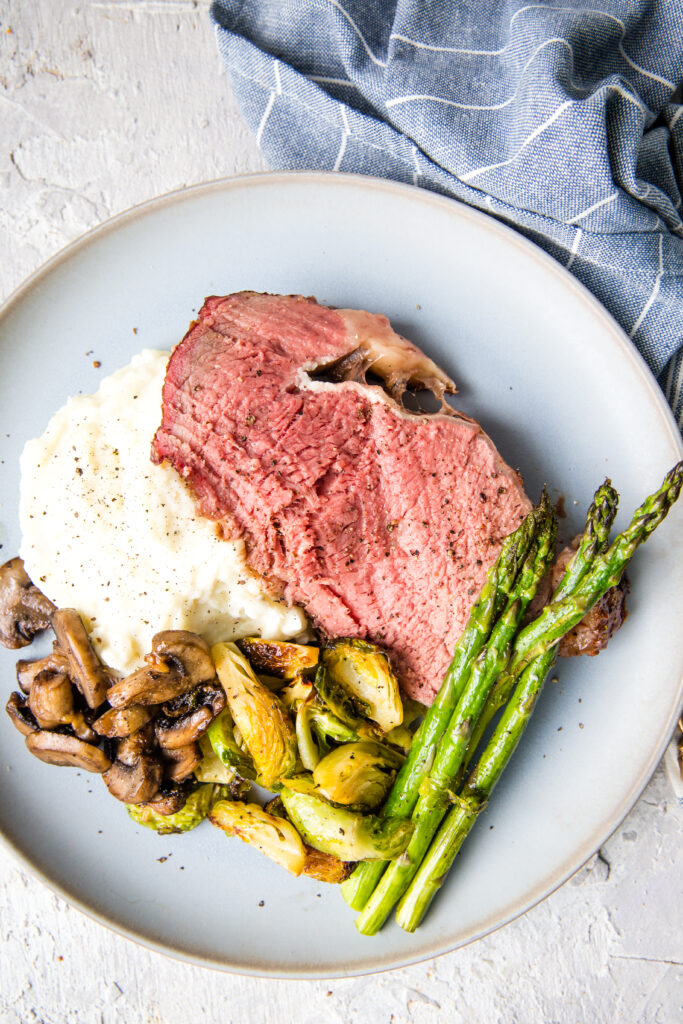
[{"x": 108, "y": 533}]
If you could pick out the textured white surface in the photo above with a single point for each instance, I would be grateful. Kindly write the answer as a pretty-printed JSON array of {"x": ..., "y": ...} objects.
[{"x": 105, "y": 104}]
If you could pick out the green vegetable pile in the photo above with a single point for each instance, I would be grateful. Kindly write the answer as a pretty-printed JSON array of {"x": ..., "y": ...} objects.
[
  {"x": 496, "y": 665},
  {"x": 327, "y": 730},
  {"x": 366, "y": 796}
]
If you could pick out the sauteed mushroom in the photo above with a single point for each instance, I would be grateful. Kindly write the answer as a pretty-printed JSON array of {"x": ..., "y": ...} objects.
[
  {"x": 85, "y": 668},
  {"x": 179, "y": 662},
  {"x": 175, "y": 732},
  {"x": 148, "y": 685},
  {"x": 188, "y": 651},
  {"x": 135, "y": 775},
  {"x": 28, "y": 670},
  {"x": 170, "y": 799},
  {"x": 212, "y": 694},
  {"x": 51, "y": 699},
  {"x": 122, "y": 722},
  {"x": 20, "y": 714},
  {"x": 181, "y": 762},
  {"x": 134, "y": 783},
  {"x": 24, "y": 610},
  {"x": 61, "y": 749}
]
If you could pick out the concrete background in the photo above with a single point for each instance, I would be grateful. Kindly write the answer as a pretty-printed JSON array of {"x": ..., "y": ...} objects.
[{"x": 103, "y": 105}]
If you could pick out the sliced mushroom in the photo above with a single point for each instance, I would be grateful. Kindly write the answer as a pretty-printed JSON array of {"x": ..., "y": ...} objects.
[
  {"x": 24, "y": 610},
  {"x": 51, "y": 699},
  {"x": 61, "y": 749},
  {"x": 28, "y": 670},
  {"x": 123, "y": 721},
  {"x": 19, "y": 711},
  {"x": 181, "y": 762},
  {"x": 131, "y": 748},
  {"x": 136, "y": 773},
  {"x": 149, "y": 685},
  {"x": 188, "y": 651},
  {"x": 213, "y": 695},
  {"x": 85, "y": 668},
  {"x": 179, "y": 662},
  {"x": 170, "y": 799},
  {"x": 173, "y": 733},
  {"x": 134, "y": 783}
]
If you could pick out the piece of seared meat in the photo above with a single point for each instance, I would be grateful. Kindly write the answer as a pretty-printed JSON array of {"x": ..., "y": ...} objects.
[
  {"x": 380, "y": 523},
  {"x": 596, "y": 628}
]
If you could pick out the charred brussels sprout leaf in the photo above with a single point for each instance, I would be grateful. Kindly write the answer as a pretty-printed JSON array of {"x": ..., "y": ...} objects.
[
  {"x": 192, "y": 814},
  {"x": 221, "y": 736},
  {"x": 278, "y": 657},
  {"x": 272, "y": 835},
  {"x": 363, "y": 672},
  {"x": 328, "y": 728},
  {"x": 346, "y": 834},
  {"x": 325, "y": 867},
  {"x": 308, "y": 751},
  {"x": 357, "y": 774},
  {"x": 260, "y": 716},
  {"x": 340, "y": 703}
]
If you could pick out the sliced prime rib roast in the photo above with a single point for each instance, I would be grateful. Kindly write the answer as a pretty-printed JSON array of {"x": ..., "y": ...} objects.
[{"x": 381, "y": 523}]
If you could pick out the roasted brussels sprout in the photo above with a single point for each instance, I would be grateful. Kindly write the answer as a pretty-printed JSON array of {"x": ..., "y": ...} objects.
[
  {"x": 259, "y": 715},
  {"x": 296, "y": 692},
  {"x": 191, "y": 814},
  {"x": 412, "y": 711},
  {"x": 302, "y": 782},
  {"x": 340, "y": 703},
  {"x": 212, "y": 769},
  {"x": 364, "y": 673},
  {"x": 328, "y": 728},
  {"x": 308, "y": 752},
  {"x": 357, "y": 774},
  {"x": 323, "y": 866},
  {"x": 343, "y": 833},
  {"x": 221, "y": 737},
  {"x": 272, "y": 835},
  {"x": 271, "y": 682},
  {"x": 402, "y": 735},
  {"x": 278, "y": 657}
]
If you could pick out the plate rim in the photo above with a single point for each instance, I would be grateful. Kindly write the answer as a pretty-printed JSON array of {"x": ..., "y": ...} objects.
[{"x": 453, "y": 207}]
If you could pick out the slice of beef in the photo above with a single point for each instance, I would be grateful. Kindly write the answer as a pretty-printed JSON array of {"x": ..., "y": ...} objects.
[{"x": 379, "y": 522}]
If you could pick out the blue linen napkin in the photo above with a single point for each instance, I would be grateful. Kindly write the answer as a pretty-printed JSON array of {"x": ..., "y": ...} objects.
[{"x": 563, "y": 119}]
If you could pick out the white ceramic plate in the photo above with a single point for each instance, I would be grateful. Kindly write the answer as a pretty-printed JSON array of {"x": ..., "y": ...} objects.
[{"x": 566, "y": 398}]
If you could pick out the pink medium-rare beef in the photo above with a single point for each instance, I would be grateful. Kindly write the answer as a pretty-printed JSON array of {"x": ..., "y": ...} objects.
[{"x": 380, "y": 523}]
